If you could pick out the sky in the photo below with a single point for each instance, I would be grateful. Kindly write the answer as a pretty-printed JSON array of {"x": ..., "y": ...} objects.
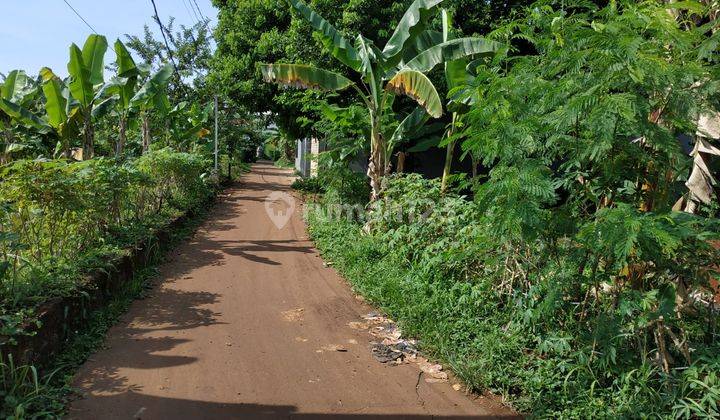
[{"x": 38, "y": 33}]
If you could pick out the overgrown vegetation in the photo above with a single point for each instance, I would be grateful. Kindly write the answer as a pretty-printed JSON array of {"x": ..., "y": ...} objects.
[
  {"x": 60, "y": 219},
  {"x": 575, "y": 272},
  {"x": 312, "y": 185},
  {"x": 523, "y": 318},
  {"x": 91, "y": 166},
  {"x": 27, "y": 392}
]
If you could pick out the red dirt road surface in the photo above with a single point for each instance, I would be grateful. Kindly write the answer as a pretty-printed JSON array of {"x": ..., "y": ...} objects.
[{"x": 245, "y": 322}]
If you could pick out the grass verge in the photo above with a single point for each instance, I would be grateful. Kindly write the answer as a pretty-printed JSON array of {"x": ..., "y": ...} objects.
[
  {"x": 26, "y": 392},
  {"x": 439, "y": 314}
]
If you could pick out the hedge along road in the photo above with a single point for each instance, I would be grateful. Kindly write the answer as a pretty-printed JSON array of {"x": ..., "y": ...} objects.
[{"x": 245, "y": 321}]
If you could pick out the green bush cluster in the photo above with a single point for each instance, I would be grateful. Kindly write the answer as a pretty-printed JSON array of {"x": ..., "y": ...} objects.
[
  {"x": 337, "y": 183},
  {"x": 540, "y": 319},
  {"x": 575, "y": 274},
  {"x": 58, "y": 218},
  {"x": 311, "y": 185}
]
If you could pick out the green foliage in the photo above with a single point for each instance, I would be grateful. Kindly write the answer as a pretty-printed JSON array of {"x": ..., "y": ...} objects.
[
  {"x": 265, "y": 31},
  {"x": 566, "y": 282},
  {"x": 344, "y": 185},
  {"x": 26, "y": 392},
  {"x": 23, "y": 393},
  {"x": 396, "y": 70},
  {"x": 285, "y": 39},
  {"x": 345, "y": 131},
  {"x": 190, "y": 47},
  {"x": 58, "y": 215},
  {"x": 601, "y": 101},
  {"x": 511, "y": 313},
  {"x": 312, "y": 185},
  {"x": 562, "y": 279}
]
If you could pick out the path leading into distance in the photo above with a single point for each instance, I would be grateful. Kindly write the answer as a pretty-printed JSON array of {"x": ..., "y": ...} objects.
[{"x": 245, "y": 322}]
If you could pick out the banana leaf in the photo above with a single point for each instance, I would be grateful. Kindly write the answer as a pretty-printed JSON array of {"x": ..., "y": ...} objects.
[
  {"x": 93, "y": 54},
  {"x": 411, "y": 25},
  {"x": 417, "y": 86},
  {"x": 303, "y": 76},
  {"x": 331, "y": 38},
  {"x": 452, "y": 50}
]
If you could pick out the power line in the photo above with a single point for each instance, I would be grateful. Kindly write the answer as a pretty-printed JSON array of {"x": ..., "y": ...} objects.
[
  {"x": 85, "y": 22},
  {"x": 197, "y": 22},
  {"x": 187, "y": 9},
  {"x": 169, "y": 50},
  {"x": 81, "y": 18},
  {"x": 198, "y": 9}
]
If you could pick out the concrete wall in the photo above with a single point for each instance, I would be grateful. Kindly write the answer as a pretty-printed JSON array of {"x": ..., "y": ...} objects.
[
  {"x": 306, "y": 159},
  {"x": 316, "y": 146},
  {"x": 302, "y": 159}
]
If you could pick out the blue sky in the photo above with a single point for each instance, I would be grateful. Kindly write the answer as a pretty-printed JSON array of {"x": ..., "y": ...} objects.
[{"x": 37, "y": 33}]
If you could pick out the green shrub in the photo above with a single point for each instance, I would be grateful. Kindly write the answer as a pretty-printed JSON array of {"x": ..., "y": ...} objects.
[
  {"x": 339, "y": 185},
  {"x": 58, "y": 218},
  {"x": 311, "y": 185},
  {"x": 532, "y": 315},
  {"x": 344, "y": 185}
]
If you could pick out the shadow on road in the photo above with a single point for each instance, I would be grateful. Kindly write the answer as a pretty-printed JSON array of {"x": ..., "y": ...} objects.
[{"x": 153, "y": 407}]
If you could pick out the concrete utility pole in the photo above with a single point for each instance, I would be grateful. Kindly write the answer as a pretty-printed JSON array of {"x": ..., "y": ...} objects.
[{"x": 216, "y": 134}]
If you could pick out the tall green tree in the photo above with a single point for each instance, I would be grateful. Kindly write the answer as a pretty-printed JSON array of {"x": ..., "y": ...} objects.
[
  {"x": 86, "y": 68},
  {"x": 62, "y": 115},
  {"x": 248, "y": 32},
  {"x": 152, "y": 97},
  {"x": 399, "y": 68},
  {"x": 123, "y": 86},
  {"x": 191, "y": 49}
]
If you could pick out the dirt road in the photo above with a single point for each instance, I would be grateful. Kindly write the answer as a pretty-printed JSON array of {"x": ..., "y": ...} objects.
[{"x": 245, "y": 322}]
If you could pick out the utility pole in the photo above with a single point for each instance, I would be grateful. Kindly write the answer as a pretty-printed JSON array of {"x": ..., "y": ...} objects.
[{"x": 216, "y": 135}]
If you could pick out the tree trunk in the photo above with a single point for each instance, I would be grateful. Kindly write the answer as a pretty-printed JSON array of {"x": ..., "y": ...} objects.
[
  {"x": 122, "y": 138},
  {"x": 145, "y": 132},
  {"x": 475, "y": 163},
  {"x": 287, "y": 150},
  {"x": 449, "y": 154},
  {"x": 401, "y": 162},
  {"x": 376, "y": 164},
  {"x": 89, "y": 137},
  {"x": 448, "y": 165},
  {"x": 5, "y": 157}
]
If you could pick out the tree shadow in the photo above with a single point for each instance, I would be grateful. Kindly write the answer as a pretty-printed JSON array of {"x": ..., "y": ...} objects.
[
  {"x": 246, "y": 248},
  {"x": 167, "y": 309},
  {"x": 106, "y": 379},
  {"x": 273, "y": 172},
  {"x": 131, "y": 404},
  {"x": 172, "y": 309},
  {"x": 263, "y": 186},
  {"x": 198, "y": 253}
]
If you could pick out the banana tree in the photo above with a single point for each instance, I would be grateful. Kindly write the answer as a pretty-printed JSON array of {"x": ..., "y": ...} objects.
[
  {"x": 152, "y": 96},
  {"x": 187, "y": 125},
  {"x": 17, "y": 93},
  {"x": 86, "y": 80},
  {"x": 399, "y": 69},
  {"x": 456, "y": 76},
  {"x": 123, "y": 87},
  {"x": 63, "y": 114}
]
